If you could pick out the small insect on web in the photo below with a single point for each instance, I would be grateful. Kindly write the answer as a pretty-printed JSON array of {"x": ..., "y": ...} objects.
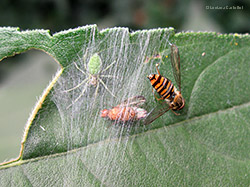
[
  {"x": 94, "y": 74},
  {"x": 173, "y": 100},
  {"x": 127, "y": 111}
]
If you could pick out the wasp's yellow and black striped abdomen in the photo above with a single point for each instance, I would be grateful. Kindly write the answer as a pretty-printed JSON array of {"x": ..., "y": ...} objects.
[{"x": 163, "y": 86}]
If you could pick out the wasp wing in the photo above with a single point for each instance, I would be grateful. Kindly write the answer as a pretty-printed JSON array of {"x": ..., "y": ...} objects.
[
  {"x": 133, "y": 101},
  {"x": 156, "y": 113},
  {"x": 175, "y": 61}
]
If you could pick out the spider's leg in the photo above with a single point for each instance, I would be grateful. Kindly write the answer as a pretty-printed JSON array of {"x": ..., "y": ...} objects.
[
  {"x": 77, "y": 67},
  {"x": 97, "y": 88},
  {"x": 83, "y": 91},
  {"x": 106, "y": 87},
  {"x": 108, "y": 66},
  {"x": 84, "y": 59},
  {"x": 77, "y": 85},
  {"x": 109, "y": 76},
  {"x": 79, "y": 57}
]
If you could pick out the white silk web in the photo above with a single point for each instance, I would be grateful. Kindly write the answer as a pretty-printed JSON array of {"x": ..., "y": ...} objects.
[{"x": 122, "y": 74}]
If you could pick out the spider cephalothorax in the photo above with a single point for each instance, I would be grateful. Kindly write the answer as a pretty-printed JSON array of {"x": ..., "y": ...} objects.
[{"x": 93, "y": 72}]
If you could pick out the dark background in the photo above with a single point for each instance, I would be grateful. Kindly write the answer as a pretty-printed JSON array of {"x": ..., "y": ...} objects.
[
  {"x": 57, "y": 15},
  {"x": 25, "y": 76}
]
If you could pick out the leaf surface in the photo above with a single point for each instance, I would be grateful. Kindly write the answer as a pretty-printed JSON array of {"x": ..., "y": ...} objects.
[{"x": 67, "y": 143}]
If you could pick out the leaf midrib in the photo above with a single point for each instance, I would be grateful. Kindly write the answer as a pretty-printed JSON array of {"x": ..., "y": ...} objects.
[{"x": 20, "y": 162}]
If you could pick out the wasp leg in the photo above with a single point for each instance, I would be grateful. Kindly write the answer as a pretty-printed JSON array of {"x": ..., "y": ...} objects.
[
  {"x": 157, "y": 68},
  {"x": 158, "y": 99},
  {"x": 177, "y": 114}
]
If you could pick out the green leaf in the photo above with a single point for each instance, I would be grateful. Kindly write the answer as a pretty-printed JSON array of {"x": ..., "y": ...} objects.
[{"x": 67, "y": 143}]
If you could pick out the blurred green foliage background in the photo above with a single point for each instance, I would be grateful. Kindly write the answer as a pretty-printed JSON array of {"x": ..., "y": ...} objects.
[
  {"x": 136, "y": 14},
  {"x": 24, "y": 77}
]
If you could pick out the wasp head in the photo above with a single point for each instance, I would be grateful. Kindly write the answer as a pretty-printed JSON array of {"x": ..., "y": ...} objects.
[{"x": 178, "y": 102}]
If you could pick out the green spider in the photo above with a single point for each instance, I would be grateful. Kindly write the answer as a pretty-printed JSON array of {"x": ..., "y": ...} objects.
[{"x": 93, "y": 76}]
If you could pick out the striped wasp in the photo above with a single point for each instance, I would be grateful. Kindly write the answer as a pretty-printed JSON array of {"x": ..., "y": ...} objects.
[{"x": 173, "y": 100}]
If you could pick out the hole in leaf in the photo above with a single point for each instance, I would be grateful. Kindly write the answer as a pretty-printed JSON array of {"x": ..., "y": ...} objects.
[{"x": 22, "y": 81}]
